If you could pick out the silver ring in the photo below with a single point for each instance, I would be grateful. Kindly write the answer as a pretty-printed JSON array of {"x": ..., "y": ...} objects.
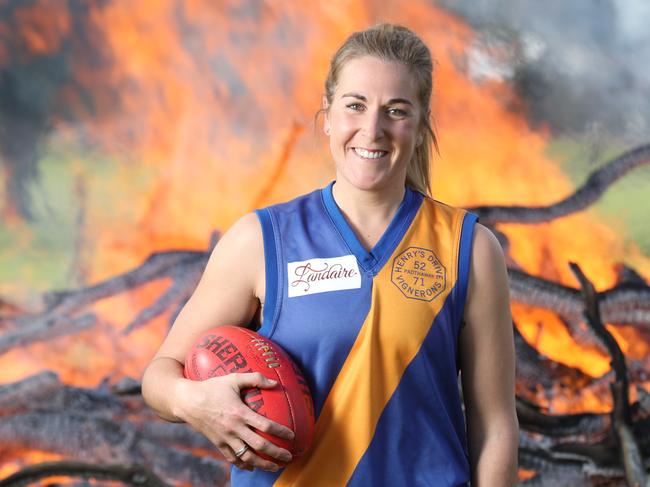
[{"x": 242, "y": 450}]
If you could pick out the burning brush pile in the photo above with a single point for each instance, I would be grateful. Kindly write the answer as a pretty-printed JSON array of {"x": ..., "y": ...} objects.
[
  {"x": 106, "y": 432},
  {"x": 157, "y": 113}
]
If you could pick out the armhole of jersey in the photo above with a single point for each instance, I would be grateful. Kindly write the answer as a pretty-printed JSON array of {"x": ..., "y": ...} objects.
[
  {"x": 465, "y": 260},
  {"x": 270, "y": 271}
]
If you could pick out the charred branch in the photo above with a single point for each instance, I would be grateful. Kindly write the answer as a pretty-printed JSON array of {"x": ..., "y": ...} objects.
[
  {"x": 623, "y": 304},
  {"x": 63, "y": 315},
  {"x": 621, "y": 417},
  {"x": 133, "y": 475},
  {"x": 158, "y": 266},
  {"x": 184, "y": 281},
  {"x": 42, "y": 328},
  {"x": 574, "y": 449},
  {"x": 588, "y": 193},
  {"x": 592, "y": 317},
  {"x": 553, "y": 472},
  {"x": 535, "y": 371},
  {"x": 567, "y": 427},
  {"x": 95, "y": 439},
  {"x": 628, "y": 276},
  {"x": 626, "y": 303},
  {"x": 95, "y": 426}
]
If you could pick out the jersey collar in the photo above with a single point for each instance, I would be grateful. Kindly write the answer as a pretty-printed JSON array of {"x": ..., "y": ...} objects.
[{"x": 375, "y": 258}]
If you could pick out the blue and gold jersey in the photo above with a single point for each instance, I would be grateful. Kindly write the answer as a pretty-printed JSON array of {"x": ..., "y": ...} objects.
[{"x": 375, "y": 333}]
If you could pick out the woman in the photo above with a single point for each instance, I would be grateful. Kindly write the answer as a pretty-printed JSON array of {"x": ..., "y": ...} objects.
[{"x": 423, "y": 293}]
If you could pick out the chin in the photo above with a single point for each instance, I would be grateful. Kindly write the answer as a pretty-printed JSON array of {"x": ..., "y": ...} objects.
[{"x": 368, "y": 183}]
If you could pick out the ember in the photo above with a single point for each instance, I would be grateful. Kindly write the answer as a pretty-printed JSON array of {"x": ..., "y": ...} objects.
[{"x": 144, "y": 100}]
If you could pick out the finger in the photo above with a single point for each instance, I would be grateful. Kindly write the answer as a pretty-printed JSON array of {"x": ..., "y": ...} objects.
[
  {"x": 229, "y": 452},
  {"x": 253, "y": 379},
  {"x": 254, "y": 460},
  {"x": 248, "y": 459},
  {"x": 265, "y": 425},
  {"x": 261, "y": 445},
  {"x": 243, "y": 465}
]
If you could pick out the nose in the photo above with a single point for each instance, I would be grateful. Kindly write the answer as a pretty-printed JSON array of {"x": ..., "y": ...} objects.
[{"x": 373, "y": 125}]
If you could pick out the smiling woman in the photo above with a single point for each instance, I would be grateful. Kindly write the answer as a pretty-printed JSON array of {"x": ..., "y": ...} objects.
[
  {"x": 374, "y": 124},
  {"x": 379, "y": 293}
]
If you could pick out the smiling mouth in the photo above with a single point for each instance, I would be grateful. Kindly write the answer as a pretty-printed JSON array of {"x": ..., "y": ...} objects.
[{"x": 369, "y": 154}]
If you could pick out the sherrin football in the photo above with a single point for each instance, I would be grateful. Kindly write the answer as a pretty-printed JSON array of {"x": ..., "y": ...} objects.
[{"x": 231, "y": 349}]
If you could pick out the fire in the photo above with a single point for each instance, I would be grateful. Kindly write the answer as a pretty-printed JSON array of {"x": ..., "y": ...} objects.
[
  {"x": 196, "y": 112},
  {"x": 26, "y": 457},
  {"x": 43, "y": 26},
  {"x": 99, "y": 352}
]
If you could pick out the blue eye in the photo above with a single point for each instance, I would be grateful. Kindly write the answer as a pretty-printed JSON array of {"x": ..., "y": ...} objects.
[
  {"x": 397, "y": 112},
  {"x": 355, "y": 106}
]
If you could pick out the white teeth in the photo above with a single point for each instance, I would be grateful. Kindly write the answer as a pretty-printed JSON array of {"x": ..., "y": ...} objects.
[{"x": 366, "y": 154}]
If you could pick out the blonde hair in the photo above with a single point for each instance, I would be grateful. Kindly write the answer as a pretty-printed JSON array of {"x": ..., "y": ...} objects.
[{"x": 390, "y": 42}]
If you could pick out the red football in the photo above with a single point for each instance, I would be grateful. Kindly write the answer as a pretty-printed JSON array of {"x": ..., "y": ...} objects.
[{"x": 228, "y": 349}]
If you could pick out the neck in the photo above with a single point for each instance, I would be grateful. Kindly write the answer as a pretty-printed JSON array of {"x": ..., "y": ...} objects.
[{"x": 368, "y": 212}]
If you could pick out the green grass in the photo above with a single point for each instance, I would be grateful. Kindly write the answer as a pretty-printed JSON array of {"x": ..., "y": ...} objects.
[{"x": 38, "y": 256}]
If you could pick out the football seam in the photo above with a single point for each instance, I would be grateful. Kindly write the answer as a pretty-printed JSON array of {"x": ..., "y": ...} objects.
[{"x": 285, "y": 395}]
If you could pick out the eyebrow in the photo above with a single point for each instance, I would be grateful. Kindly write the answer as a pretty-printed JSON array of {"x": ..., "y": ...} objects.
[{"x": 390, "y": 102}]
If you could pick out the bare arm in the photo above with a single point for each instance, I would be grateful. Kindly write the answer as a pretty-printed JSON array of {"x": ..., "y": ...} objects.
[
  {"x": 487, "y": 361},
  {"x": 227, "y": 294}
]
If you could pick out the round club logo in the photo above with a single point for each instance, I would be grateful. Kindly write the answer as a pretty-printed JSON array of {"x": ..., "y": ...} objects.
[{"x": 419, "y": 274}]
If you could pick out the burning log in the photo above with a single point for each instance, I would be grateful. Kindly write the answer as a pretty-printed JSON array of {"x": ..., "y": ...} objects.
[
  {"x": 96, "y": 426},
  {"x": 534, "y": 371},
  {"x": 582, "y": 449},
  {"x": 541, "y": 380},
  {"x": 625, "y": 303}
]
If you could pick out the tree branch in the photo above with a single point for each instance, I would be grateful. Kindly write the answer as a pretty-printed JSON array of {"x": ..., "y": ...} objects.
[{"x": 597, "y": 183}]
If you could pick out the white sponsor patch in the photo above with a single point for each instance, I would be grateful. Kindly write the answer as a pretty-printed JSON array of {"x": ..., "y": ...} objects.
[{"x": 323, "y": 275}]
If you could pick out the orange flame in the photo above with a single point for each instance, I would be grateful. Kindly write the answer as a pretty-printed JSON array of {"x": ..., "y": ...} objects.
[{"x": 205, "y": 111}]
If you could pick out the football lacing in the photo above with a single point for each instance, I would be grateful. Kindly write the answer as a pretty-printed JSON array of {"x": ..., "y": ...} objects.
[{"x": 270, "y": 357}]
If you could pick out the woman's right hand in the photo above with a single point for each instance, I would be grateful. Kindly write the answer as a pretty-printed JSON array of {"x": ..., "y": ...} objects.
[{"x": 214, "y": 407}]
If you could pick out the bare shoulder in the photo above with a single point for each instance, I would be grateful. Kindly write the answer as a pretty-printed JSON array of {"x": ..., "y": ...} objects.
[
  {"x": 244, "y": 237},
  {"x": 488, "y": 280},
  {"x": 228, "y": 291},
  {"x": 247, "y": 227},
  {"x": 245, "y": 232},
  {"x": 238, "y": 255},
  {"x": 486, "y": 250}
]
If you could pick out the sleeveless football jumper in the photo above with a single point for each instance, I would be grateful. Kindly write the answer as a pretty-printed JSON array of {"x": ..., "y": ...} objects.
[{"x": 375, "y": 333}]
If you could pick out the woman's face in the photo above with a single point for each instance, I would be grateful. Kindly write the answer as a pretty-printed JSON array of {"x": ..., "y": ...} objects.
[{"x": 373, "y": 123}]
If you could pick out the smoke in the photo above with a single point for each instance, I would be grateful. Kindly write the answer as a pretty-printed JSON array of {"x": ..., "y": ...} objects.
[
  {"x": 581, "y": 66},
  {"x": 43, "y": 45}
]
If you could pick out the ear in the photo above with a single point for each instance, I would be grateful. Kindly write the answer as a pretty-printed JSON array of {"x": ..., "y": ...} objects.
[
  {"x": 326, "y": 123},
  {"x": 422, "y": 131},
  {"x": 420, "y": 138}
]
